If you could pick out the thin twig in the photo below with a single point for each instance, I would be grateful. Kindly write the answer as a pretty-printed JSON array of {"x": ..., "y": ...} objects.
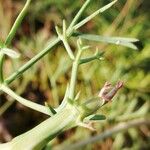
[{"x": 78, "y": 15}]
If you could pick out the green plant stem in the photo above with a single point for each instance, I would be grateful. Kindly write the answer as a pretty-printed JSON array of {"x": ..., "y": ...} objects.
[
  {"x": 108, "y": 133},
  {"x": 74, "y": 74},
  {"x": 17, "y": 23},
  {"x": 26, "y": 66},
  {"x": 12, "y": 34},
  {"x": 39, "y": 136},
  {"x": 67, "y": 46},
  {"x": 1, "y": 67},
  {"x": 89, "y": 59},
  {"x": 87, "y": 19},
  {"x": 31, "y": 62},
  {"x": 54, "y": 92},
  {"x": 22, "y": 69},
  {"x": 78, "y": 15},
  {"x": 25, "y": 102},
  {"x": 63, "y": 38}
]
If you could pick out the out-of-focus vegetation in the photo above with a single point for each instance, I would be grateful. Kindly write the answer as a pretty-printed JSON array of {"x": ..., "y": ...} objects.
[{"x": 47, "y": 79}]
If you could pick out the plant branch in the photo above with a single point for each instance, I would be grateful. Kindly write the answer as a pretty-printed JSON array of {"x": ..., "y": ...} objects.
[
  {"x": 12, "y": 34},
  {"x": 31, "y": 62},
  {"x": 25, "y": 102},
  {"x": 63, "y": 38},
  {"x": 97, "y": 56},
  {"x": 87, "y": 19},
  {"x": 17, "y": 23},
  {"x": 39, "y": 136},
  {"x": 78, "y": 15}
]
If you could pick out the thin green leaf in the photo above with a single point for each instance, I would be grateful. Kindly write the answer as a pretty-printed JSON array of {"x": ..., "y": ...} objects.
[
  {"x": 98, "y": 117},
  {"x": 17, "y": 23},
  {"x": 128, "y": 42},
  {"x": 94, "y": 117},
  {"x": 78, "y": 15},
  {"x": 87, "y": 19}
]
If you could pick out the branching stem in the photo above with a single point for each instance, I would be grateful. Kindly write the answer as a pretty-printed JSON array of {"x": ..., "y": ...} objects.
[
  {"x": 17, "y": 23},
  {"x": 25, "y": 102},
  {"x": 31, "y": 62}
]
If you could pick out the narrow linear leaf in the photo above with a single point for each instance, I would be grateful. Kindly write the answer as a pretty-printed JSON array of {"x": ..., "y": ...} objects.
[
  {"x": 98, "y": 117},
  {"x": 17, "y": 23},
  {"x": 95, "y": 117},
  {"x": 127, "y": 42},
  {"x": 78, "y": 15},
  {"x": 87, "y": 19},
  {"x": 50, "y": 108}
]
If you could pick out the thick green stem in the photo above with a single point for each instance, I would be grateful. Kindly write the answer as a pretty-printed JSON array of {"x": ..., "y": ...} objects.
[{"x": 38, "y": 137}]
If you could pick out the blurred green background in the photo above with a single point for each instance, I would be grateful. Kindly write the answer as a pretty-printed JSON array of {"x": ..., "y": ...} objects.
[{"x": 47, "y": 79}]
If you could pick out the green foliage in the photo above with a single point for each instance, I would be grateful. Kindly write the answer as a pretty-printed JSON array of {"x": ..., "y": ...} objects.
[
  {"x": 120, "y": 63},
  {"x": 128, "y": 42}
]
